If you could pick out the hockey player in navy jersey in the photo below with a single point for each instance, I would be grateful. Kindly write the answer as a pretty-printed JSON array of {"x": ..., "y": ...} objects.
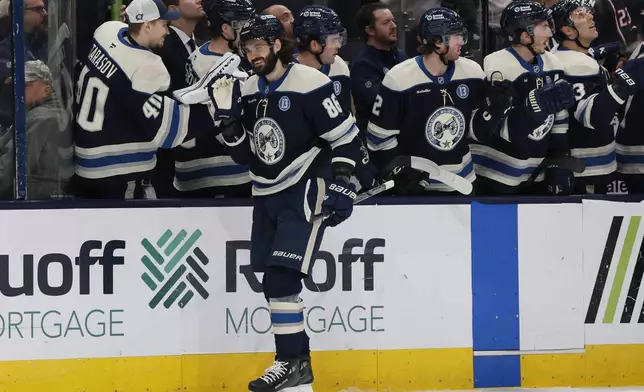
[
  {"x": 319, "y": 35},
  {"x": 593, "y": 119},
  {"x": 301, "y": 147},
  {"x": 536, "y": 125},
  {"x": 122, "y": 115},
  {"x": 630, "y": 138},
  {"x": 203, "y": 167},
  {"x": 425, "y": 106}
]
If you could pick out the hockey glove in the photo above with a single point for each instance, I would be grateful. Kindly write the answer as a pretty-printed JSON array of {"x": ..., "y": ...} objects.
[
  {"x": 365, "y": 172},
  {"x": 225, "y": 95},
  {"x": 559, "y": 180},
  {"x": 600, "y": 52},
  {"x": 497, "y": 104},
  {"x": 339, "y": 197},
  {"x": 549, "y": 99},
  {"x": 408, "y": 181},
  {"x": 630, "y": 78}
]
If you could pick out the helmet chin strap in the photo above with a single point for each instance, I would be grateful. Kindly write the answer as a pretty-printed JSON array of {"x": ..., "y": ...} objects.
[{"x": 576, "y": 40}]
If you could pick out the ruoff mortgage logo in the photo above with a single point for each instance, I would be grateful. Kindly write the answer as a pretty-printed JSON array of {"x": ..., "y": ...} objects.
[
  {"x": 175, "y": 268},
  {"x": 618, "y": 281}
]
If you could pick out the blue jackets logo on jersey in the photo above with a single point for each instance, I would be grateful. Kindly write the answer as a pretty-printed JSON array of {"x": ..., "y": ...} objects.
[
  {"x": 269, "y": 140},
  {"x": 284, "y": 103},
  {"x": 445, "y": 128},
  {"x": 543, "y": 130}
]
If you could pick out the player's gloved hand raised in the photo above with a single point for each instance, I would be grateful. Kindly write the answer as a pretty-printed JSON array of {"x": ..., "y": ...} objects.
[
  {"x": 339, "y": 196},
  {"x": 560, "y": 181},
  {"x": 497, "y": 103},
  {"x": 600, "y": 52},
  {"x": 225, "y": 95},
  {"x": 549, "y": 99},
  {"x": 629, "y": 79}
]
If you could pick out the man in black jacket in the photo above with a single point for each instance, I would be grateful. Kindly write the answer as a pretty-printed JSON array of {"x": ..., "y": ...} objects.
[{"x": 378, "y": 30}]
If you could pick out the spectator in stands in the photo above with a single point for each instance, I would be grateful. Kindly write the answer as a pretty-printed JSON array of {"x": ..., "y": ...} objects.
[
  {"x": 49, "y": 152},
  {"x": 378, "y": 30},
  {"x": 285, "y": 16},
  {"x": 5, "y": 19},
  {"x": 35, "y": 13}
]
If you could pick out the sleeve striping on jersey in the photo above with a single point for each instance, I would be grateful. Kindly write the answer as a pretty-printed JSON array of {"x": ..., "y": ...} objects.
[
  {"x": 379, "y": 138},
  {"x": 346, "y": 138},
  {"x": 561, "y": 122}
]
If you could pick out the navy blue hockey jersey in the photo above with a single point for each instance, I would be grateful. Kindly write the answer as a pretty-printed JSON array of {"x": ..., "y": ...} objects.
[
  {"x": 509, "y": 160},
  {"x": 593, "y": 123},
  {"x": 419, "y": 114},
  {"x": 290, "y": 125},
  {"x": 204, "y": 162},
  {"x": 630, "y": 138},
  {"x": 338, "y": 72},
  {"x": 122, "y": 116}
]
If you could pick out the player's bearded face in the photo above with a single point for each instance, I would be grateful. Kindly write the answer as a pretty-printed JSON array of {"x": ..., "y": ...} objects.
[
  {"x": 261, "y": 56},
  {"x": 542, "y": 34}
]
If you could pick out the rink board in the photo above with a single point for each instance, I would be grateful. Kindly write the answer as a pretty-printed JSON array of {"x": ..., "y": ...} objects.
[
  {"x": 403, "y": 298},
  {"x": 399, "y": 370}
]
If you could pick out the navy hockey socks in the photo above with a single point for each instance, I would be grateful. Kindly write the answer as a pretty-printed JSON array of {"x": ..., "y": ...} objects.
[{"x": 287, "y": 316}]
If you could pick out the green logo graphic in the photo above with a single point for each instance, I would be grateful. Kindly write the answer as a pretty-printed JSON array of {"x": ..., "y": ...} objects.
[
  {"x": 173, "y": 257},
  {"x": 615, "y": 288}
]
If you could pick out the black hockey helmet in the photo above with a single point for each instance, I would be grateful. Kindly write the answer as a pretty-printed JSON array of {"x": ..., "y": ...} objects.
[
  {"x": 314, "y": 23},
  {"x": 561, "y": 15},
  {"x": 524, "y": 15},
  {"x": 440, "y": 23},
  {"x": 263, "y": 27},
  {"x": 220, "y": 12}
]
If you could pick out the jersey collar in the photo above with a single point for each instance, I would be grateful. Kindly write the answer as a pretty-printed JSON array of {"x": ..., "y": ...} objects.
[
  {"x": 326, "y": 68},
  {"x": 441, "y": 79},
  {"x": 532, "y": 68},
  {"x": 265, "y": 87}
]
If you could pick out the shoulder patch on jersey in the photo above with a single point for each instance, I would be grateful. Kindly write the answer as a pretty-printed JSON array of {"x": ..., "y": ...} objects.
[
  {"x": 445, "y": 127},
  {"x": 467, "y": 69},
  {"x": 303, "y": 80},
  {"x": 576, "y": 63}
]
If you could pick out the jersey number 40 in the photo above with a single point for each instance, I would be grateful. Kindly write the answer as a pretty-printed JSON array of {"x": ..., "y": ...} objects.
[{"x": 92, "y": 100}]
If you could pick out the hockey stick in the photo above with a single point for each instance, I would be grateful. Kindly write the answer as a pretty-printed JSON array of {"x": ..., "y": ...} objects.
[
  {"x": 385, "y": 186},
  {"x": 454, "y": 181},
  {"x": 198, "y": 92},
  {"x": 577, "y": 165}
]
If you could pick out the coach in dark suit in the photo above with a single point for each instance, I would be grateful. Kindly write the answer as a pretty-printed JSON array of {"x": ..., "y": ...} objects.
[{"x": 178, "y": 46}]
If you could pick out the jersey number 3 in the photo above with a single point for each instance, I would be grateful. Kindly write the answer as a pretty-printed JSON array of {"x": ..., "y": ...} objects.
[{"x": 92, "y": 100}]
